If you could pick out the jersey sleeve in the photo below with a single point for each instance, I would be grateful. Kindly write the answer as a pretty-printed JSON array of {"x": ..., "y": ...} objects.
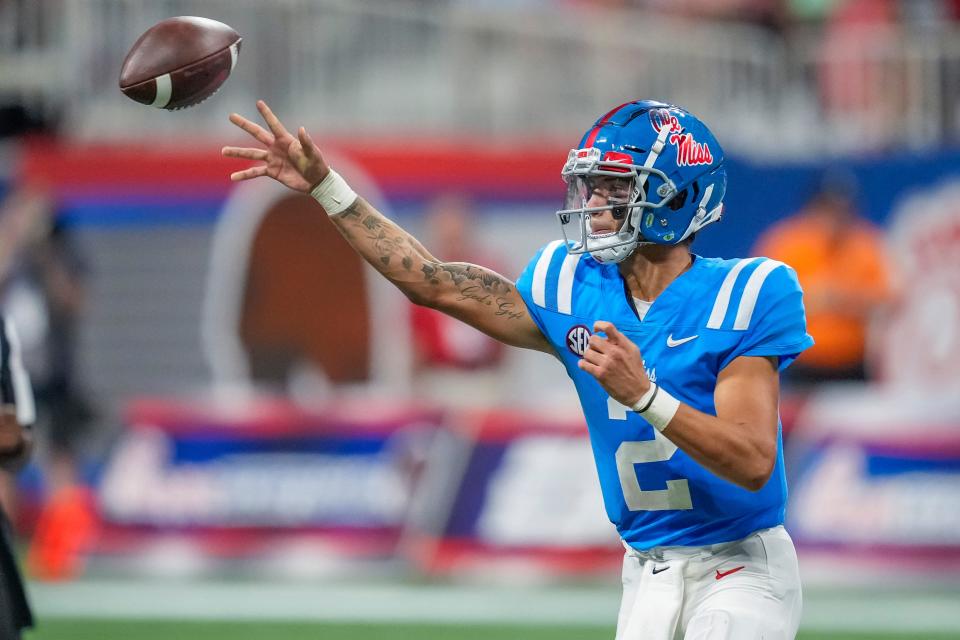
[
  {"x": 778, "y": 323},
  {"x": 532, "y": 283}
]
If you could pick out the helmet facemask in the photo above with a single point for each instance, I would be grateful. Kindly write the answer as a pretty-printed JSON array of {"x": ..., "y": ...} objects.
[{"x": 625, "y": 185}]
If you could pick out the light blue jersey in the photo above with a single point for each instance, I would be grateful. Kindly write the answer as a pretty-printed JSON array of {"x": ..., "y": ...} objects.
[{"x": 714, "y": 312}]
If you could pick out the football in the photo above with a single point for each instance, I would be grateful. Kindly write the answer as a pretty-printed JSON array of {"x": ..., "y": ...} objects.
[{"x": 179, "y": 62}]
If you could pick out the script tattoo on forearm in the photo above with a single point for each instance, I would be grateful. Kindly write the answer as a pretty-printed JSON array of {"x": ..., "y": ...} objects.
[
  {"x": 475, "y": 283},
  {"x": 394, "y": 249}
]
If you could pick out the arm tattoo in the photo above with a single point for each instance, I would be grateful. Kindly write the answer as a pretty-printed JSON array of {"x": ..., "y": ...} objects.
[
  {"x": 387, "y": 240},
  {"x": 430, "y": 273},
  {"x": 382, "y": 242},
  {"x": 478, "y": 284}
]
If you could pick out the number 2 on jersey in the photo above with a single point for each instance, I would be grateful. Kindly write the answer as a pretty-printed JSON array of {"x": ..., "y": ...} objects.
[{"x": 660, "y": 449}]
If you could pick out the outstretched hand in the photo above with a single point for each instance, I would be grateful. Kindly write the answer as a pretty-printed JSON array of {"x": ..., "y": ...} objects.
[
  {"x": 616, "y": 363},
  {"x": 295, "y": 162}
]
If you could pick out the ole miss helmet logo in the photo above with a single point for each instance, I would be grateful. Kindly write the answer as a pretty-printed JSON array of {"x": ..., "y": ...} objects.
[
  {"x": 689, "y": 151},
  {"x": 661, "y": 118},
  {"x": 577, "y": 339}
]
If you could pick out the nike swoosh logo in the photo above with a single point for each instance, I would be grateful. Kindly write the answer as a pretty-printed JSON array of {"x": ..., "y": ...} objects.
[
  {"x": 724, "y": 574},
  {"x": 676, "y": 343},
  {"x": 657, "y": 570}
]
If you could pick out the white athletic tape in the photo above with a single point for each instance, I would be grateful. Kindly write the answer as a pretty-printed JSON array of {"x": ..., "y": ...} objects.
[
  {"x": 657, "y": 407},
  {"x": 334, "y": 194}
]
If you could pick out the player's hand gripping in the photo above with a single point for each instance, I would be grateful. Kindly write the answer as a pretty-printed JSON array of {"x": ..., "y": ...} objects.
[
  {"x": 294, "y": 162},
  {"x": 616, "y": 363}
]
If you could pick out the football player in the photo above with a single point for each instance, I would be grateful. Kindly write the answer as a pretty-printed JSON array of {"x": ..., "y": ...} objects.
[{"x": 675, "y": 357}]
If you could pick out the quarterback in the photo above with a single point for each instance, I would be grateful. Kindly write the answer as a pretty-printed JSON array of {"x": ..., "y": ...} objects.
[{"x": 675, "y": 357}]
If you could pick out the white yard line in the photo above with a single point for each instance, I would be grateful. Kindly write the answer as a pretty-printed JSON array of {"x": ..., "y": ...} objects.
[{"x": 823, "y": 610}]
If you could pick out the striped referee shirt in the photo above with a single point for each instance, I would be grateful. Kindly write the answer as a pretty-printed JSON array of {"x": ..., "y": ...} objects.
[{"x": 15, "y": 386}]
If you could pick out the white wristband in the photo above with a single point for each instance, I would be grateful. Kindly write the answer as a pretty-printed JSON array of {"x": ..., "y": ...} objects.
[
  {"x": 644, "y": 401},
  {"x": 334, "y": 194},
  {"x": 657, "y": 407}
]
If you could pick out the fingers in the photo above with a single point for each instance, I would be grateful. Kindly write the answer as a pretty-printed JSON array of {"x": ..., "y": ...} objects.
[
  {"x": 247, "y": 174},
  {"x": 310, "y": 149},
  {"x": 244, "y": 152},
  {"x": 296, "y": 154},
  {"x": 613, "y": 334},
  {"x": 598, "y": 344},
  {"x": 589, "y": 367},
  {"x": 255, "y": 130},
  {"x": 596, "y": 352},
  {"x": 594, "y": 357},
  {"x": 272, "y": 121}
]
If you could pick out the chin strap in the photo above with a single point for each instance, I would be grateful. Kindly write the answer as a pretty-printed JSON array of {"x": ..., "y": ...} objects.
[
  {"x": 634, "y": 216},
  {"x": 703, "y": 217},
  {"x": 702, "y": 208}
]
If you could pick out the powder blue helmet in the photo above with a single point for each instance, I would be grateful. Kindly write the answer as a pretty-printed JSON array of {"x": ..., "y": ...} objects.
[{"x": 673, "y": 179}]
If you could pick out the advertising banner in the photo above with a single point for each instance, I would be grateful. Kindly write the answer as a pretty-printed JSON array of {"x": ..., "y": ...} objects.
[{"x": 246, "y": 477}]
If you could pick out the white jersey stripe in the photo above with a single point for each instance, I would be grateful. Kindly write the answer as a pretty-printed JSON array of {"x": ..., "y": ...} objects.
[
  {"x": 539, "y": 286},
  {"x": 748, "y": 301},
  {"x": 723, "y": 298},
  {"x": 565, "y": 285}
]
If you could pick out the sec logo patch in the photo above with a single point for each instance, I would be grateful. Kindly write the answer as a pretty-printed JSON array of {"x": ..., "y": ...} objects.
[{"x": 577, "y": 339}]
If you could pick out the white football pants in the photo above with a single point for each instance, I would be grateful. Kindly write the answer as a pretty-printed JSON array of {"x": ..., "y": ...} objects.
[{"x": 743, "y": 590}]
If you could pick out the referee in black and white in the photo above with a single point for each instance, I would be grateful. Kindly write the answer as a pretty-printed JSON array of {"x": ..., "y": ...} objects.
[{"x": 17, "y": 413}]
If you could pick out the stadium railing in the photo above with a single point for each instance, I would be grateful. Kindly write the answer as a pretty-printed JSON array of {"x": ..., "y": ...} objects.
[{"x": 439, "y": 68}]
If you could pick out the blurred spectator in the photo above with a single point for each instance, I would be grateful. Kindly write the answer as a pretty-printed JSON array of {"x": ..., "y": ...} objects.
[
  {"x": 840, "y": 261},
  {"x": 811, "y": 10},
  {"x": 41, "y": 282},
  {"x": 449, "y": 356},
  {"x": 766, "y": 13},
  {"x": 862, "y": 85},
  {"x": 16, "y": 416},
  {"x": 933, "y": 21},
  {"x": 929, "y": 15}
]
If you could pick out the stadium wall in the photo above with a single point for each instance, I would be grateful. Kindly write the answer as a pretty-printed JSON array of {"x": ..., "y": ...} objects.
[{"x": 119, "y": 185}]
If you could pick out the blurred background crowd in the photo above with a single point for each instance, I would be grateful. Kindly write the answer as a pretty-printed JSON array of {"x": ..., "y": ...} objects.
[{"x": 223, "y": 388}]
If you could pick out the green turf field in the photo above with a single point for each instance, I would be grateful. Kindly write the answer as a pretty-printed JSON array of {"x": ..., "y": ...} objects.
[
  {"x": 108, "y": 609},
  {"x": 72, "y": 629}
]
